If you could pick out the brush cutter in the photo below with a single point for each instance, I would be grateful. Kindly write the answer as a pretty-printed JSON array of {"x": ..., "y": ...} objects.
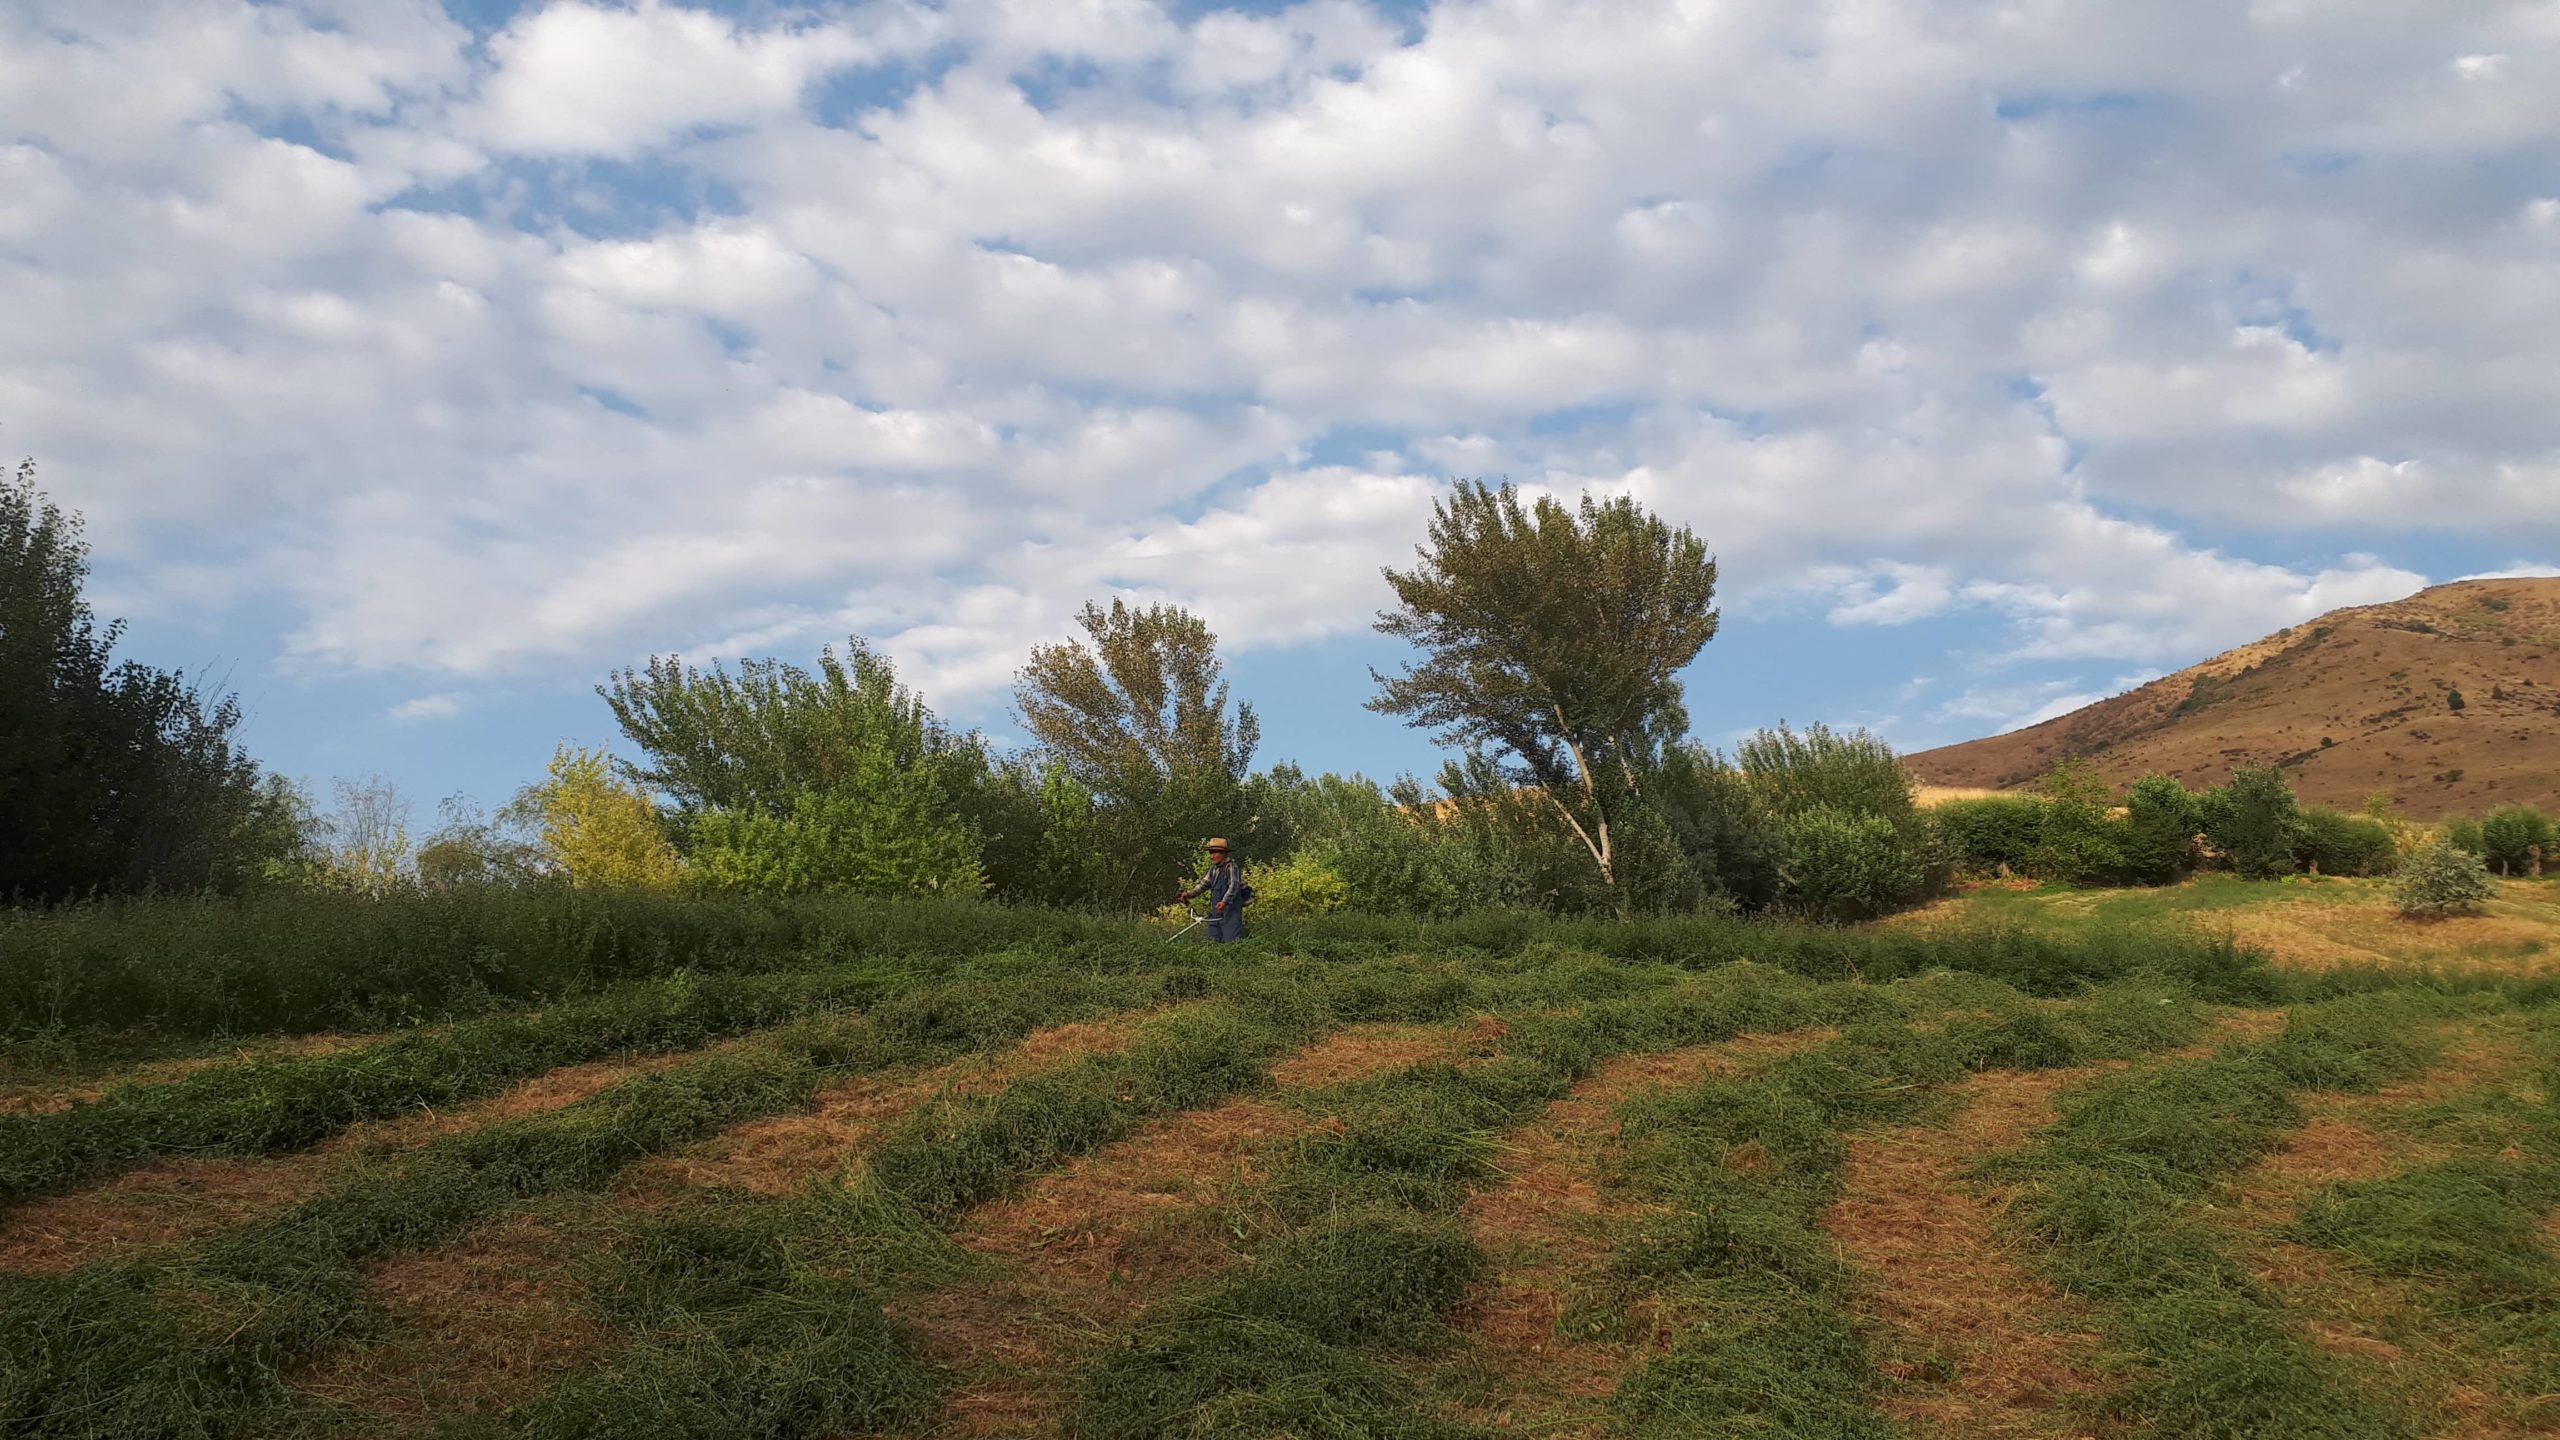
[{"x": 1197, "y": 920}]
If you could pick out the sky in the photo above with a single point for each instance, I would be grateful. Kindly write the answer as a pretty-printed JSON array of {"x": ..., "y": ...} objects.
[{"x": 415, "y": 364}]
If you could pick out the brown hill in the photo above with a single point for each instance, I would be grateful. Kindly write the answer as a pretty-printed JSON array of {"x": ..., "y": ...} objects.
[{"x": 2357, "y": 701}]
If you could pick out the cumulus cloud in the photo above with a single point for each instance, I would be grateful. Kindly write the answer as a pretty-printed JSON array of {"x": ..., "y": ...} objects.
[{"x": 628, "y": 324}]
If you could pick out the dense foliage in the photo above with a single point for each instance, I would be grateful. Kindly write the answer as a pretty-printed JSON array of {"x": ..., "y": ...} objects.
[
  {"x": 1552, "y": 639},
  {"x": 114, "y": 776}
]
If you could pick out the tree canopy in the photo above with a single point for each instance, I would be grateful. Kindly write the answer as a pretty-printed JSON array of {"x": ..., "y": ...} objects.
[
  {"x": 1553, "y": 636},
  {"x": 1137, "y": 714},
  {"x": 113, "y": 776}
]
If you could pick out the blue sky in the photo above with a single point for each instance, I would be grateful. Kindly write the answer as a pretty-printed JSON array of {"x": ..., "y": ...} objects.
[{"x": 416, "y": 363}]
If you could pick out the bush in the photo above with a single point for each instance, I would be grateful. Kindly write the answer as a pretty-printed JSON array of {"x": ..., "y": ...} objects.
[
  {"x": 2442, "y": 881},
  {"x": 859, "y": 840},
  {"x": 1844, "y": 866},
  {"x": 2080, "y": 845},
  {"x": 2464, "y": 834},
  {"x": 1983, "y": 836},
  {"x": 2338, "y": 844},
  {"x": 2161, "y": 823},
  {"x": 1303, "y": 886},
  {"x": 2256, "y": 824},
  {"x": 2515, "y": 839},
  {"x": 1793, "y": 773}
]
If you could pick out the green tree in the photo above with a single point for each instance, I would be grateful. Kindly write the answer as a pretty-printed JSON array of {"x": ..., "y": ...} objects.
[
  {"x": 2515, "y": 838},
  {"x": 1137, "y": 715},
  {"x": 759, "y": 738},
  {"x": 2442, "y": 880},
  {"x": 599, "y": 831},
  {"x": 2080, "y": 845},
  {"x": 1552, "y": 640},
  {"x": 2162, "y": 821},
  {"x": 2256, "y": 822},
  {"x": 113, "y": 776},
  {"x": 841, "y": 780}
]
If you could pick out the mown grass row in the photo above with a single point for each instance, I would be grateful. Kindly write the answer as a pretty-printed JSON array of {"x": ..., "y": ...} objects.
[
  {"x": 2115, "y": 1196},
  {"x": 196, "y": 1342},
  {"x": 2469, "y": 1234},
  {"x": 272, "y": 1106},
  {"x": 1366, "y": 1261},
  {"x": 772, "y": 1355},
  {"x": 1744, "y": 1166},
  {"x": 295, "y": 963},
  {"x": 769, "y": 1359}
]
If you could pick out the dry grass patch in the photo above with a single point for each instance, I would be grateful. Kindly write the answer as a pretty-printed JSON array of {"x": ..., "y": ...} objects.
[
  {"x": 1980, "y": 1345},
  {"x": 478, "y": 1326},
  {"x": 1361, "y": 1051},
  {"x": 1546, "y": 1227},
  {"x": 1085, "y": 1246}
]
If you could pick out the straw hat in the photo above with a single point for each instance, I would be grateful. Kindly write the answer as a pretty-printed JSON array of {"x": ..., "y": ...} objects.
[{"x": 1216, "y": 846}]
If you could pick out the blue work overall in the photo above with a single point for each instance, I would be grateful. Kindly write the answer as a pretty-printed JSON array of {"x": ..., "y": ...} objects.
[{"x": 1224, "y": 879}]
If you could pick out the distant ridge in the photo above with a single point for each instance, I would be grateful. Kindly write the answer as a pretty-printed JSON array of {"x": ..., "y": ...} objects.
[{"x": 2358, "y": 701}]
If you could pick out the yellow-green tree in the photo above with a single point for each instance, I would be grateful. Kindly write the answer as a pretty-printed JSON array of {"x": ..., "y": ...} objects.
[{"x": 600, "y": 832}]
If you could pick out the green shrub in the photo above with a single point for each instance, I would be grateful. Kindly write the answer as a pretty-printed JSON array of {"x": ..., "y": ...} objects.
[
  {"x": 2464, "y": 834},
  {"x": 2080, "y": 846},
  {"x": 1304, "y": 885},
  {"x": 2161, "y": 823},
  {"x": 2441, "y": 880},
  {"x": 1793, "y": 773},
  {"x": 862, "y": 839},
  {"x": 1985, "y": 835},
  {"x": 2515, "y": 838},
  {"x": 1841, "y": 866},
  {"x": 2339, "y": 844},
  {"x": 2256, "y": 823}
]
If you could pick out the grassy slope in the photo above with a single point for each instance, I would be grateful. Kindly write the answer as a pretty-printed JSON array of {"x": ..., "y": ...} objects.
[{"x": 2354, "y": 702}]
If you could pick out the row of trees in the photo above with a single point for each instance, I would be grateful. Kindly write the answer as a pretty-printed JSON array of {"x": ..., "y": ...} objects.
[
  {"x": 1549, "y": 643},
  {"x": 2072, "y": 828}
]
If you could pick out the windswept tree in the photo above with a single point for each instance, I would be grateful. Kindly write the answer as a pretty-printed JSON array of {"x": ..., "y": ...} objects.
[
  {"x": 113, "y": 776},
  {"x": 1553, "y": 639},
  {"x": 1137, "y": 714}
]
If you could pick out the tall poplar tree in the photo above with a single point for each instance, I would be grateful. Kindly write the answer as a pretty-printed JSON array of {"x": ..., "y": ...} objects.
[
  {"x": 1553, "y": 638},
  {"x": 1138, "y": 714}
]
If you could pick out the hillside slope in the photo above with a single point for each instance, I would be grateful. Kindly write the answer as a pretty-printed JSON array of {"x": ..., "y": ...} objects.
[{"x": 2357, "y": 701}]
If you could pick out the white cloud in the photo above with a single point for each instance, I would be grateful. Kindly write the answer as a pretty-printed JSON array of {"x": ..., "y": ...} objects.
[
  {"x": 426, "y": 708},
  {"x": 2051, "y": 314},
  {"x": 603, "y": 79}
]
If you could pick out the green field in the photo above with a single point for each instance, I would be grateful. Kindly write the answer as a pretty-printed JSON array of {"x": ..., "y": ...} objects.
[{"x": 2041, "y": 1165}]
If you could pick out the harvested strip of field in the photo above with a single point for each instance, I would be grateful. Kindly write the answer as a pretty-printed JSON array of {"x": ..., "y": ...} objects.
[
  {"x": 276, "y": 1105},
  {"x": 1545, "y": 1228},
  {"x": 1977, "y": 1345},
  {"x": 115, "y": 1351},
  {"x": 480, "y": 1324},
  {"x": 2415, "y": 1236},
  {"x": 462, "y": 1313},
  {"x": 45, "y": 1097},
  {"x": 170, "y": 1204},
  {"x": 1083, "y": 1246},
  {"x": 2121, "y": 1188},
  {"x": 777, "y": 1154}
]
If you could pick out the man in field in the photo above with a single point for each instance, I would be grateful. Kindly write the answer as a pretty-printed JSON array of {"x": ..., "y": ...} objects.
[{"x": 1225, "y": 887}]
